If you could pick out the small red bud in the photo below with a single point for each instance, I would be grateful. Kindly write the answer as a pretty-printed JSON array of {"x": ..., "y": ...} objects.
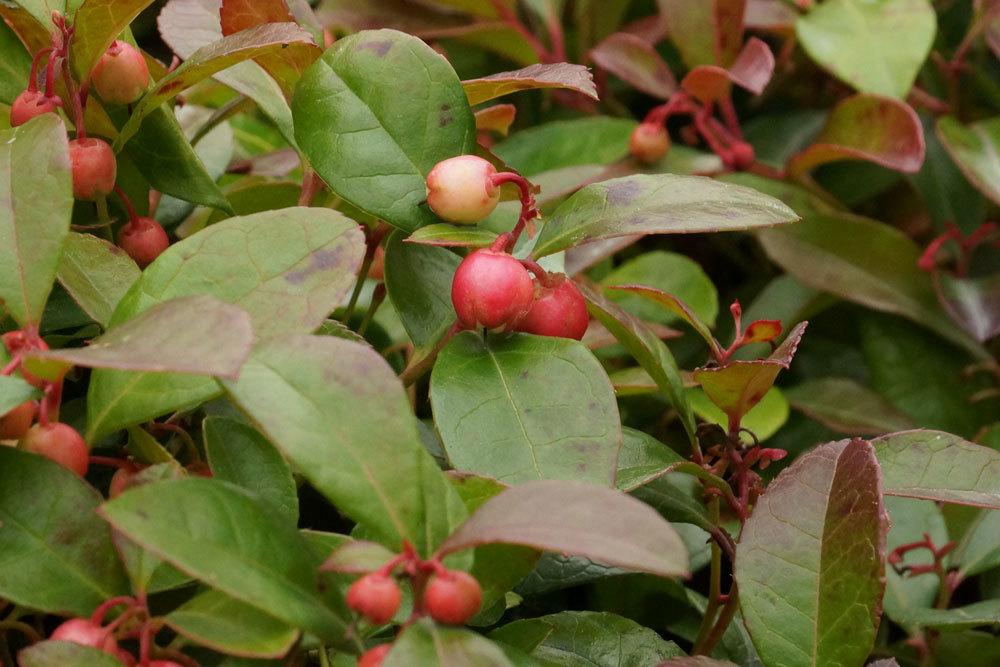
[
  {"x": 741, "y": 156},
  {"x": 94, "y": 168},
  {"x": 491, "y": 289},
  {"x": 649, "y": 142},
  {"x": 31, "y": 103},
  {"x": 559, "y": 311},
  {"x": 121, "y": 75},
  {"x": 60, "y": 443},
  {"x": 143, "y": 239},
  {"x": 453, "y": 597},
  {"x": 461, "y": 189},
  {"x": 375, "y": 596},
  {"x": 374, "y": 657}
]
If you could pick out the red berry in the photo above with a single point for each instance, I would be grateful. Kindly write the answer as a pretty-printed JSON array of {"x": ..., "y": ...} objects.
[
  {"x": 29, "y": 104},
  {"x": 453, "y": 597},
  {"x": 143, "y": 239},
  {"x": 16, "y": 423},
  {"x": 491, "y": 289},
  {"x": 374, "y": 657},
  {"x": 121, "y": 75},
  {"x": 94, "y": 168},
  {"x": 461, "y": 189},
  {"x": 82, "y": 631},
  {"x": 59, "y": 442},
  {"x": 649, "y": 142},
  {"x": 375, "y": 596},
  {"x": 741, "y": 157},
  {"x": 558, "y": 311}
]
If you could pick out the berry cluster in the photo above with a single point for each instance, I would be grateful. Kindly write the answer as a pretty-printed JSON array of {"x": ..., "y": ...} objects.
[
  {"x": 120, "y": 77},
  {"x": 492, "y": 289}
]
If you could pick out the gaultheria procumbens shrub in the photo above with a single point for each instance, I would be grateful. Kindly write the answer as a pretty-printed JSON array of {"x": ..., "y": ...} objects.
[{"x": 346, "y": 333}]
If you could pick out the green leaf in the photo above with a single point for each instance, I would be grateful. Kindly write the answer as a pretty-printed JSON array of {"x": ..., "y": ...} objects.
[
  {"x": 677, "y": 307},
  {"x": 669, "y": 272},
  {"x": 843, "y": 405},
  {"x": 497, "y": 404},
  {"x": 939, "y": 466},
  {"x": 579, "y": 519},
  {"x": 697, "y": 661},
  {"x": 877, "y": 47},
  {"x": 596, "y": 140},
  {"x": 706, "y": 33},
  {"x": 451, "y": 236},
  {"x": 544, "y": 75},
  {"x": 979, "y": 549},
  {"x": 197, "y": 335},
  {"x": 657, "y": 204},
  {"x": 763, "y": 419},
  {"x": 651, "y": 353},
  {"x": 14, "y": 65},
  {"x": 809, "y": 564},
  {"x": 214, "y": 619},
  {"x": 294, "y": 267},
  {"x": 346, "y": 425},
  {"x": 429, "y": 645},
  {"x": 222, "y": 535},
  {"x": 634, "y": 60},
  {"x": 97, "y": 274},
  {"x": 57, "y": 553},
  {"x": 677, "y": 497},
  {"x": 374, "y": 115},
  {"x": 573, "y": 638},
  {"x": 64, "y": 654},
  {"x": 975, "y": 149},
  {"x": 14, "y": 391},
  {"x": 986, "y": 612},
  {"x": 96, "y": 24},
  {"x": 910, "y": 519},
  {"x": 418, "y": 280},
  {"x": 642, "y": 459},
  {"x": 238, "y": 454},
  {"x": 36, "y": 204}
]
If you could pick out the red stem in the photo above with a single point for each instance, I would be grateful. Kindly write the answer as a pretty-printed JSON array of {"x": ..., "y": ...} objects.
[
  {"x": 35, "y": 61},
  {"x": 511, "y": 19},
  {"x": 729, "y": 114},
  {"x": 132, "y": 215},
  {"x": 97, "y": 618}
]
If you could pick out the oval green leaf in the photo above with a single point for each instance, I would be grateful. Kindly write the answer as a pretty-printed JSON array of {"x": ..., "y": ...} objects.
[{"x": 97, "y": 274}]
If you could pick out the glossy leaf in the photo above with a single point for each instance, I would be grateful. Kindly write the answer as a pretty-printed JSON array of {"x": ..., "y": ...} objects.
[
  {"x": 911, "y": 519},
  {"x": 706, "y": 33},
  {"x": 657, "y": 204},
  {"x": 191, "y": 523},
  {"x": 751, "y": 71},
  {"x": 197, "y": 335},
  {"x": 979, "y": 549},
  {"x": 599, "y": 140},
  {"x": 346, "y": 425},
  {"x": 580, "y": 519},
  {"x": 497, "y": 404},
  {"x": 867, "y": 127},
  {"x": 357, "y": 557},
  {"x": 764, "y": 419},
  {"x": 64, "y": 654},
  {"x": 939, "y": 466},
  {"x": 679, "y": 308},
  {"x": 986, "y": 612},
  {"x": 635, "y": 61},
  {"x": 13, "y": 392},
  {"x": 974, "y": 303},
  {"x": 877, "y": 47},
  {"x": 642, "y": 459},
  {"x": 373, "y": 143},
  {"x": 58, "y": 555},
  {"x": 974, "y": 149},
  {"x": 14, "y": 65},
  {"x": 845, "y": 406},
  {"x": 418, "y": 281},
  {"x": 238, "y": 454},
  {"x": 97, "y": 274},
  {"x": 809, "y": 564},
  {"x": 35, "y": 208},
  {"x": 96, "y": 24},
  {"x": 425, "y": 643},
  {"x": 670, "y": 273},
  {"x": 556, "y": 75},
  {"x": 451, "y": 236},
  {"x": 296, "y": 266}
]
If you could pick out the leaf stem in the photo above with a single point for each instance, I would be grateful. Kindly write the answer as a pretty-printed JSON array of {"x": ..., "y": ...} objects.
[
  {"x": 105, "y": 219},
  {"x": 715, "y": 580},
  {"x": 725, "y": 618}
]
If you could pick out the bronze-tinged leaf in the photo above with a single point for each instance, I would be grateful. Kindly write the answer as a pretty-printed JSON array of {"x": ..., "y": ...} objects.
[
  {"x": 752, "y": 71},
  {"x": 634, "y": 60},
  {"x": 497, "y": 118},
  {"x": 557, "y": 75}
]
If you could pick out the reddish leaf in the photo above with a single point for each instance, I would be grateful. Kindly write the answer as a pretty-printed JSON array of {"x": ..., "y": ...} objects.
[
  {"x": 972, "y": 302},
  {"x": 497, "y": 118},
  {"x": 634, "y": 60},
  {"x": 752, "y": 71},
  {"x": 867, "y": 127},
  {"x": 762, "y": 331},
  {"x": 707, "y": 32},
  {"x": 675, "y": 306},
  {"x": 557, "y": 75},
  {"x": 773, "y": 15}
]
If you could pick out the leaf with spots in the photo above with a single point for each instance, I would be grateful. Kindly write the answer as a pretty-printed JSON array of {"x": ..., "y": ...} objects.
[
  {"x": 521, "y": 408},
  {"x": 809, "y": 564},
  {"x": 64, "y": 654},
  {"x": 97, "y": 274}
]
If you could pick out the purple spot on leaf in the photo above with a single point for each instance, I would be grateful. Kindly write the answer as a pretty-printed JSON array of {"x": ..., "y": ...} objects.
[
  {"x": 379, "y": 48},
  {"x": 623, "y": 192},
  {"x": 320, "y": 261}
]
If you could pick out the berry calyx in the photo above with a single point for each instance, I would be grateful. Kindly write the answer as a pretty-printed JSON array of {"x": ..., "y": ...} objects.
[
  {"x": 559, "y": 310},
  {"x": 461, "y": 189},
  {"x": 94, "y": 168},
  {"x": 143, "y": 239},
  {"x": 649, "y": 142},
  {"x": 16, "y": 423},
  {"x": 490, "y": 289},
  {"x": 375, "y": 596},
  {"x": 374, "y": 657},
  {"x": 31, "y": 103},
  {"x": 452, "y": 597},
  {"x": 83, "y": 631},
  {"x": 121, "y": 75},
  {"x": 741, "y": 156},
  {"x": 60, "y": 443}
]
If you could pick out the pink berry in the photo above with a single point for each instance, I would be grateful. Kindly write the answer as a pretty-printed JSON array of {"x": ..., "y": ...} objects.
[
  {"x": 16, "y": 422},
  {"x": 376, "y": 597},
  {"x": 60, "y": 443},
  {"x": 29, "y": 104},
  {"x": 491, "y": 289},
  {"x": 558, "y": 311},
  {"x": 461, "y": 189},
  {"x": 374, "y": 657},
  {"x": 82, "y": 631},
  {"x": 121, "y": 75},
  {"x": 741, "y": 157},
  {"x": 453, "y": 597},
  {"x": 143, "y": 239},
  {"x": 94, "y": 168},
  {"x": 649, "y": 142}
]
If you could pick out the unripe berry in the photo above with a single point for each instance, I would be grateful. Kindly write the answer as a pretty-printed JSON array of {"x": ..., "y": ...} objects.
[
  {"x": 16, "y": 423},
  {"x": 461, "y": 189},
  {"x": 29, "y": 104},
  {"x": 741, "y": 156},
  {"x": 559, "y": 310},
  {"x": 453, "y": 597},
  {"x": 60, "y": 443},
  {"x": 121, "y": 75},
  {"x": 82, "y": 631},
  {"x": 94, "y": 168},
  {"x": 375, "y": 596},
  {"x": 649, "y": 142},
  {"x": 374, "y": 657},
  {"x": 490, "y": 289},
  {"x": 143, "y": 239}
]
